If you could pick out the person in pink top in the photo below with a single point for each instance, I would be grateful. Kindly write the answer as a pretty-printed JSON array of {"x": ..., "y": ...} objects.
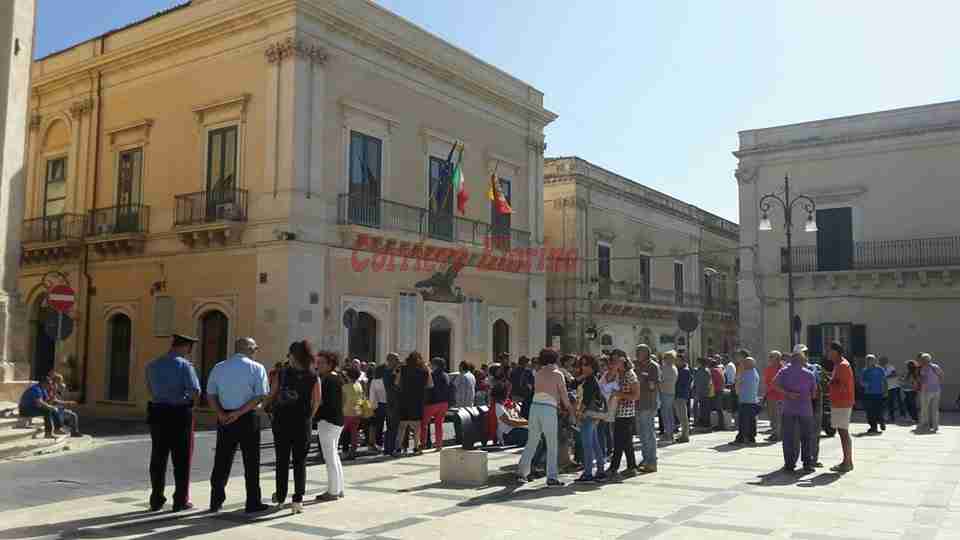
[{"x": 931, "y": 380}]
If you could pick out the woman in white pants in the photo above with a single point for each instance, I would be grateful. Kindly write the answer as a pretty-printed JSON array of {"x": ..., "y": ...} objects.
[{"x": 330, "y": 422}]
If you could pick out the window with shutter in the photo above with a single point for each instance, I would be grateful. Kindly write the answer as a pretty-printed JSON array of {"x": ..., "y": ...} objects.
[
  {"x": 858, "y": 341},
  {"x": 834, "y": 239},
  {"x": 815, "y": 339}
]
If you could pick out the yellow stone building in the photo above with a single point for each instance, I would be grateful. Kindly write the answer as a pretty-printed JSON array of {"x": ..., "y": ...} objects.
[
  {"x": 233, "y": 167},
  {"x": 645, "y": 260}
]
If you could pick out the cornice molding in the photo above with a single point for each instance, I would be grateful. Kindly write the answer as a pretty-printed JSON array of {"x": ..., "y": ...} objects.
[
  {"x": 845, "y": 139},
  {"x": 240, "y": 101},
  {"x": 144, "y": 125},
  {"x": 193, "y": 33},
  {"x": 343, "y": 24},
  {"x": 579, "y": 172},
  {"x": 348, "y": 106},
  {"x": 291, "y": 47}
]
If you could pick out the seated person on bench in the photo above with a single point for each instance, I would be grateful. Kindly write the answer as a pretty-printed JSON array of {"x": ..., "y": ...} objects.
[
  {"x": 511, "y": 427},
  {"x": 65, "y": 416},
  {"x": 36, "y": 401}
]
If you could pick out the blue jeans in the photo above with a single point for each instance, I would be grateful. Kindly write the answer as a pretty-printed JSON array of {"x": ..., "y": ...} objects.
[
  {"x": 666, "y": 413},
  {"x": 604, "y": 439},
  {"x": 648, "y": 435},
  {"x": 543, "y": 422},
  {"x": 590, "y": 441}
]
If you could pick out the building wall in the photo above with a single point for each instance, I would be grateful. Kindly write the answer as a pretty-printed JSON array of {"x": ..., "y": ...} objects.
[
  {"x": 892, "y": 168},
  {"x": 590, "y": 206},
  {"x": 296, "y": 78},
  {"x": 16, "y": 51}
]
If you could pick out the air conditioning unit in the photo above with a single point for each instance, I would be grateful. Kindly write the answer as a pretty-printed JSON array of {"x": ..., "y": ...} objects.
[
  {"x": 226, "y": 211},
  {"x": 104, "y": 229}
]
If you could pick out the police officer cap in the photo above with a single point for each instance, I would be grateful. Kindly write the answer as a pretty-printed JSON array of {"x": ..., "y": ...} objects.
[{"x": 180, "y": 339}]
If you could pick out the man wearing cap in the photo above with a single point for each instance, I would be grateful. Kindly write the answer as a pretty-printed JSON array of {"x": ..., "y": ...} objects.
[
  {"x": 234, "y": 390},
  {"x": 173, "y": 386}
]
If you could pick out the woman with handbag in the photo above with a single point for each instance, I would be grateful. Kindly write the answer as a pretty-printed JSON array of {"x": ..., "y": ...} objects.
[
  {"x": 352, "y": 410},
  {"x": 293, "y": 401},
  {"x": 591, "y": 410}
]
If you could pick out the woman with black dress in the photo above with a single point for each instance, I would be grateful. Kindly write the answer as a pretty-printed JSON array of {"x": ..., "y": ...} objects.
[
  {"x": 330, "y": 422},
  {"x": 293, "y": 401},
  {"x": 415, "y": 380}
]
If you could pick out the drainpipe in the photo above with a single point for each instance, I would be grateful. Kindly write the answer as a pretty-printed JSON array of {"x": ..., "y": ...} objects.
[{"x": 86, "y": 249}]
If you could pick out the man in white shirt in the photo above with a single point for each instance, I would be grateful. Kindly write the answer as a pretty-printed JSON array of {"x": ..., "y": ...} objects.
[{"x": 894, "y": 401}]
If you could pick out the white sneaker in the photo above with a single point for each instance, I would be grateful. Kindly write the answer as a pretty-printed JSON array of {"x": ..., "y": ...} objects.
[{"x": 297, "y": 508}]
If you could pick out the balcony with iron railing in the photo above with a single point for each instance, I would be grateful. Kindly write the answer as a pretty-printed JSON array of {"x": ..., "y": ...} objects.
[
  {"x": 118, "y": 228},
  {"x": 52, "y": 237},
  {"x": 876, "y": 255},
  {"x": 356, "y": 210},
  {"x": 214, "y": 216}
]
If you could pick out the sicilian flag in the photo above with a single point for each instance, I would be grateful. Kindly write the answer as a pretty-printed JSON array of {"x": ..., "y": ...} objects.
[
  {"x": 460, "y": 183},
  {"x": 499, "y": 201}
]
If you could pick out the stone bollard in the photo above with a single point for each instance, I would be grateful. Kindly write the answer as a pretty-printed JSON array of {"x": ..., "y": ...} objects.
[{"x": 463, "y": 467}]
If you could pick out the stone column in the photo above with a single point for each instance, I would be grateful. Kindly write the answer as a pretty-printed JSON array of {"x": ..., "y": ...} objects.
[
  {"x": 537, "y": 285},
  {"x": 752, "y": 307},
  {"x": 17, "y": 22}
]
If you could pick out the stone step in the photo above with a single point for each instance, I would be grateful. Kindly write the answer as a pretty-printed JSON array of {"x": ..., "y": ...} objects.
[
  {"x": 11, "y": 434},
  {"x": 41, "y": 446}
]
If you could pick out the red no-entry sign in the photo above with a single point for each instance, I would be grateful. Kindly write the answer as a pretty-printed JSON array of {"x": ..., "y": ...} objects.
[{"x": 62, "y": 298}]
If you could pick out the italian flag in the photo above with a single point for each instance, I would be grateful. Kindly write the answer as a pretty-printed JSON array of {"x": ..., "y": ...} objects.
[{"x": 460, "y": 183}]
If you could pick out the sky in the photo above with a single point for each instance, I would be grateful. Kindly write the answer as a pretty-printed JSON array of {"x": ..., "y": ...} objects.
[{"x": 657, "y": 90}]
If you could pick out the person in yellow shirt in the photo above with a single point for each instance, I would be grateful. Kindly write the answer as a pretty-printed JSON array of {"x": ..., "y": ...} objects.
[{"x": 352, "y": 394}]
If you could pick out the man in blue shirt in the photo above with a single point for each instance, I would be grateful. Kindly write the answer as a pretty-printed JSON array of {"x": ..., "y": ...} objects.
[
  {"x": 874, "y": 381},
  {"x": 173, "y": 386},
  {"x": 681, "y": 401},
  {"x": 748, "y": 394},
  {"x": 37, "y": 401},
  {"x": 235, "y": 389}
]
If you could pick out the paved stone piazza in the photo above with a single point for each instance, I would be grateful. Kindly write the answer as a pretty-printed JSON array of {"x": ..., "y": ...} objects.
[{"x": 904, "y": 487}]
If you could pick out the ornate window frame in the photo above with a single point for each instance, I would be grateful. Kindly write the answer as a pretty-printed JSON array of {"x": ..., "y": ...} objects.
[
  {"x": 373, "y": 122},
  {"x": 221, "y": 114}
]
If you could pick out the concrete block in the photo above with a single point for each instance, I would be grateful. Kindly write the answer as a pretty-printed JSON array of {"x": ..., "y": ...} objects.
[{"x": 463, "y": 467}]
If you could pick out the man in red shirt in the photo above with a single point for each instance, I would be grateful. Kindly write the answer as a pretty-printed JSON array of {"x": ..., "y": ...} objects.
[
  {"x": 717, "y": 378},
  {"x": 841, "y": 400},
  {"x": 773, "y": 396}
]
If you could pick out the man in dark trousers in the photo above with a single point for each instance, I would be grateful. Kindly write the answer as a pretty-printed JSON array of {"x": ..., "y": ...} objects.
[
  {"x": 390, "y": 384},
  {"x": 173, "y": 386},
  {"x": 235, "y": 389}
]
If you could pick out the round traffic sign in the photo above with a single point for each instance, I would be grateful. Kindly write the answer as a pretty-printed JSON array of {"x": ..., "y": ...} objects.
[
  {"x": 58, "y": 326},
  {"x": 62, "y": 298}
]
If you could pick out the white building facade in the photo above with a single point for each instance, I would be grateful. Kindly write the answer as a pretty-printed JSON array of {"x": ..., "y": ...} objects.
[{"x": 881, "y": 272}]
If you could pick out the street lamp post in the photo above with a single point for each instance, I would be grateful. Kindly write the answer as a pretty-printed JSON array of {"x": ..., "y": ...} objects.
[{"x": 787, "y": 203}]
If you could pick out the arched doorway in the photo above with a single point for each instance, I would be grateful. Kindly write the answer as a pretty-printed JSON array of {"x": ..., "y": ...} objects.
[
  {"x": 441, "y": 334},
  {"x": 501, "y": 338},
  {"x": 363, "y": 338},
  {"x": 214, "y": 332},
  {"x": 118, "y": 364},
  {"x": 44, "y": 346}
]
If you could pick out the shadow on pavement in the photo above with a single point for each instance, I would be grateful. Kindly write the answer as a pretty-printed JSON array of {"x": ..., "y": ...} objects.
[
  {"x": 126, "y": 524},
  {"x": 822, "y": 479}
]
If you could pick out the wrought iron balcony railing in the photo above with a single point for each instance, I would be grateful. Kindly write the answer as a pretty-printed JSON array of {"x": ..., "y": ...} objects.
[
  {"x": 219, "y": 205},
  {"x": 56, "y": 228},
  {"x": 128, "y": 219},
  {"x": 877, "y": 255},
  {"x": 393, "y": 216}
]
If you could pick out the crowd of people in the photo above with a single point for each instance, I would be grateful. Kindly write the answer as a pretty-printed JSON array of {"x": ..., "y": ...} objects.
[{"x": 568, "y": 412}]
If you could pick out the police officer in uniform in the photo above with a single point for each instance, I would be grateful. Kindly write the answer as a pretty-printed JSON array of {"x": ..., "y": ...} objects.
[{"x": 173, "y": 387}]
